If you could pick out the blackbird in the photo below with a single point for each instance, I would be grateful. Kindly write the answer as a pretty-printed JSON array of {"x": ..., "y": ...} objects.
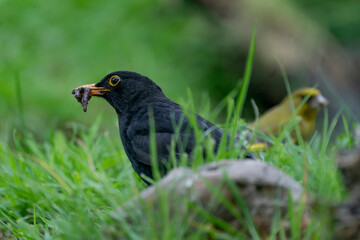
[{"x": 136, "y": 99}]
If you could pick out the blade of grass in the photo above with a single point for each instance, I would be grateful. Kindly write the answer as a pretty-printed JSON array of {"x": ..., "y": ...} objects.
[
  {"x": 153, "y": 150},
  {"x": 243, "y": 86},
  {"x": 246, "y": 78},
  {"x": 20, "y": 103}
]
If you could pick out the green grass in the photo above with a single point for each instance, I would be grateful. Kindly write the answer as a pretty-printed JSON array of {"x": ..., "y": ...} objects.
[
  {"x": 63, "y": 183},
  {"x": 69, "y": 188}
]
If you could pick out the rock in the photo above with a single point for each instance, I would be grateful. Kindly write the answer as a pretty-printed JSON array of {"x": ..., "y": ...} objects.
[
  {"x": 349, "y": 165},
  {"x": 234, "y": 192},
  {"x": 347, "y": 214},
  {"x": 6, "y": 235}
]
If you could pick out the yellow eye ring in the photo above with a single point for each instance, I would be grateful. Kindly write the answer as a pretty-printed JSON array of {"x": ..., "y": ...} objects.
[{"x": 114, "y": 80}]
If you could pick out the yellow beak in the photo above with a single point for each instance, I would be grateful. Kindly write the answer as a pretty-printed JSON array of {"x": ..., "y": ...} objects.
[{"x": 94, "y": 91}]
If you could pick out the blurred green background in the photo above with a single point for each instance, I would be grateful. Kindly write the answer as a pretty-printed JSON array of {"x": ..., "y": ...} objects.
[{"x": 47, "y": 48}]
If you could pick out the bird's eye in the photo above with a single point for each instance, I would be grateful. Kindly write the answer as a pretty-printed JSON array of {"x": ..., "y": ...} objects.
[
  {"x": 308, "y": 98},
  {"x": 114, "y": 80}
]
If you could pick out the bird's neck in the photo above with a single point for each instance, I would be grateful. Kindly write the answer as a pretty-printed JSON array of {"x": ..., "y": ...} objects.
[
  {"x": 135, "y": 108},
  {"x": 308, "y": 113}
]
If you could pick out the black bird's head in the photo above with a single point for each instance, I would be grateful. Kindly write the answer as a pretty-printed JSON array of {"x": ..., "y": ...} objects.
[{"x": 123, "y": 90}]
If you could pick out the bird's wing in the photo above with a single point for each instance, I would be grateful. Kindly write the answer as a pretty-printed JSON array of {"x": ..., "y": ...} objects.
[
  {"x": 209, "y": 129},
  {"x": 142, "y": 149},
  {"x": 138, "y": 134}
]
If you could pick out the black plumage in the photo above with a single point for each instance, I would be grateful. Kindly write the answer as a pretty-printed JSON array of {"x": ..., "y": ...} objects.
[{"x": 136, "y": 99}]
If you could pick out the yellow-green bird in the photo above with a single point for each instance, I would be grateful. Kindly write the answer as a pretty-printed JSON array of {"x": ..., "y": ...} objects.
[{"x": 307, "y": 101}]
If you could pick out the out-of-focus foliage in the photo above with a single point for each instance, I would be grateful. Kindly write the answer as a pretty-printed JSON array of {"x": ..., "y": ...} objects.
[
  {"x": 316, "y": 42},
  {"x": 50, "y": 47},
  {"x": 341, "y": 18},
  {"x": 53, "y": 46}
]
